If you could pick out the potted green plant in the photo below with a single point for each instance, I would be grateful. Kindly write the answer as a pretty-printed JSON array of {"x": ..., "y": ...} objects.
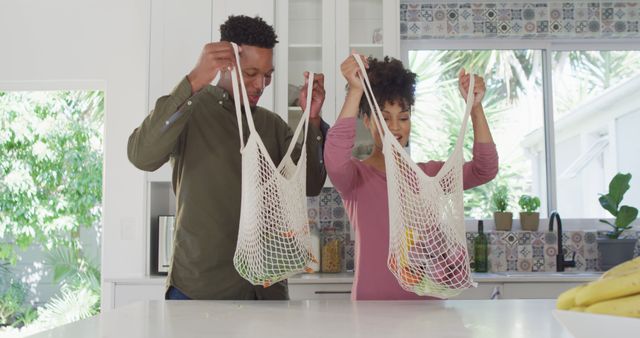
[
  {"x": 613, "y": 249},
  {"x": 529, "y": 215},
  {"x": 501, "y": 216}
]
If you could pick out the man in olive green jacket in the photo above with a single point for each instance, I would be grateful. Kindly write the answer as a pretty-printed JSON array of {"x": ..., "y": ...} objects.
[{"x": 196, "y": 128}]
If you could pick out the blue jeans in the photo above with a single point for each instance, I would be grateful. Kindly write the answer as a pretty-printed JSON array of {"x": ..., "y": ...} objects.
[{"x": 175, "y": 294}]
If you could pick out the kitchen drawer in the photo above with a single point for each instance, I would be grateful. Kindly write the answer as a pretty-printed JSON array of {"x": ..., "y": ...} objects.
[
  {"x": 130, "y": 293},
  {"x": 537, "y": 290},
  {"x": 483, "y": 291},
  {"x": 319, "y": 291}
]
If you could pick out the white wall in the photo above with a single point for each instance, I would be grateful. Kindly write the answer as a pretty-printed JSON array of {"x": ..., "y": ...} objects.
[{"x": 98, "y": 45}]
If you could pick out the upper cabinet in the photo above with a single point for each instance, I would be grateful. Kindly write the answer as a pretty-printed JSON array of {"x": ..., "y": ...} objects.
[
  {"x": 317, "y": 35},
  {"x": 179, "y": 30},
  {"x": 362, "y": 19},
  {"x": 306, "y": 30}
]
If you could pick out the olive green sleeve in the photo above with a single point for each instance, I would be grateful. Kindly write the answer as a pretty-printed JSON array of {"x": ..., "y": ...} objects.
[{"x": 151, "y": 144}]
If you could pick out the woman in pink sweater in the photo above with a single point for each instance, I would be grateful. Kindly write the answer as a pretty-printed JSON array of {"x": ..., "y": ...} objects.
[{"x": 362, "y": 184}]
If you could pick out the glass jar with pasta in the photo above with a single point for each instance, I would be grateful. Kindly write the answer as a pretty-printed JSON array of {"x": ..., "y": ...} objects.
[{"x": 332, "y": 243}]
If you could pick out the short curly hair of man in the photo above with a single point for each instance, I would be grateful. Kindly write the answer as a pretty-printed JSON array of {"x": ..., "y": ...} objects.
[
  {"x": 391, "y": 83},
  {"x": 245, "y": 30}
]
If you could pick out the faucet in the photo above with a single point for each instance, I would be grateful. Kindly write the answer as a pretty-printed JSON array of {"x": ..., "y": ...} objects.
[{"x": 560, "y": 262}]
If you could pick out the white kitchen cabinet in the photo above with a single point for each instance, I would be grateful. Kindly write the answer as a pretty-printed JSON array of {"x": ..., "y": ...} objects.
[
  {"x": 343, "y": 291},
  {"x": 321, "y": 286},
  {"x": 127, "y": 291},
  {"x": 319, "y": 291},
  {"x": 490, "y": 285},
  {"x": 490, "y": 290},
  {"x": 537, "y": 290},
  {"x": 338, "y": 286},
  {"x": 483, "y": 291},
  {"x": 179, "y": 30},
  {"x": 306, "y": 31},
  {"x": 317, "y": 35},
  {"x": 131, "y": 293}
]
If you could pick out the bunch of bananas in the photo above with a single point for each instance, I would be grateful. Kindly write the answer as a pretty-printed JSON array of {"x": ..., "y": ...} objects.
[{"x": 616, "y": 293}]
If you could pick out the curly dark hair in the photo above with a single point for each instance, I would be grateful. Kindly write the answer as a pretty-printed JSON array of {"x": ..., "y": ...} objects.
[
  {"x": 390, "y": 82},
  {"x": 245, "y": 30}
]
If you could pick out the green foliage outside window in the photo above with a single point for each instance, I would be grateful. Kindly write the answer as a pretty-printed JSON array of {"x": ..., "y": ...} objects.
[
  {"x": 51, "y": 161},
  {"x": 510, "y": 75}
]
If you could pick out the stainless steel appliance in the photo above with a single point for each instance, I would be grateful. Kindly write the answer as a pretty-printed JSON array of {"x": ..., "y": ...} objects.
[{"x": 166, "y": 227}]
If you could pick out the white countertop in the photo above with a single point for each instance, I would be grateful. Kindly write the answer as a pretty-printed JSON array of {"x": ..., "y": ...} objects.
[
  {"x": 526, "y": 277},
  {"x": 498, "y": 277},
  {"x": 347, "y": 278},
  {"x": 194, "y": 319}
]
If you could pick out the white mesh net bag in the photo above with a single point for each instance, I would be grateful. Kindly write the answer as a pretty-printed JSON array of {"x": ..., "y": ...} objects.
[
  {"x": 427, "y": 244},
  {"x": 273, "y": 239}
]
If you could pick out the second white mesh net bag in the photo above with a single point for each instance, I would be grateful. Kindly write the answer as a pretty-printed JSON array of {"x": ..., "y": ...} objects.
[
  {"x": 273, "y": 238},
  {"x": 427, "y": 242}
]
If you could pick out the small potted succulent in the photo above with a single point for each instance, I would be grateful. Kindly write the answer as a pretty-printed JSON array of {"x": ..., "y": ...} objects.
[
  {"x": 613, "y": 249},
  {"x": 529, "y": 215},
  {"x": 501, "y": 216}
]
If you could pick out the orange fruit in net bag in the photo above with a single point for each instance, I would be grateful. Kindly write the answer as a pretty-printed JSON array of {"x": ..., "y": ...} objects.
[
  {"x": 392, "y": 263},
  {"x": 410, "y": 277}
]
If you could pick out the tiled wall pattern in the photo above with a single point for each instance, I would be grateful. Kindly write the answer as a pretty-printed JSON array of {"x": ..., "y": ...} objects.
[
  {"x": 522, "y": 251},
  {"x": 327, "y": 212},
  {"x": 521, "y": 19},
  {"x": 526, "y": 251}
]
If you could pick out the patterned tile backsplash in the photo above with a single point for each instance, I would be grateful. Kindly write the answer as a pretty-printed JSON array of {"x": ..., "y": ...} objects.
[
  {"x": 525, "y": 251},
  {"x": 521, "y": 251},
  {"x": 518, "y": 19},
  {"x": 327, "y": 213}
]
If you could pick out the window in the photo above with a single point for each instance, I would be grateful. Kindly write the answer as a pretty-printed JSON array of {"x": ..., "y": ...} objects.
[
  {"x": 512, "y": 104},
  {"x": 51, "y": 160},
  {"x": 596, "y": 111},
  {"x": 596, "y": 117}
]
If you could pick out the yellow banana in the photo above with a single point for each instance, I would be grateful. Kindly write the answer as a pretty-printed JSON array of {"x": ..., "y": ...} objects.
[
  {"x": 409, "y": 237},
  {"x": 404, "y": 259},
  {"x": 625, "y": 306},
  {"x": 578, "y": 309},
  {"x": 623, "y": 268},
  {"x": 567, "y": 299},
  {"x": 609, "y": 288}
]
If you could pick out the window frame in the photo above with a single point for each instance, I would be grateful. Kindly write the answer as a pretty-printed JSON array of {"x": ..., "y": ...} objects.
[{"x": 547, "y": 47}]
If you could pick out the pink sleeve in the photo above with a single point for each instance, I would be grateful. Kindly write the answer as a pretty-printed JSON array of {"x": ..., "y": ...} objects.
[
  {"x": 483, "y": 167},
  {"x": 337, "y": 155},
  {"x": 480, "y": 170}
]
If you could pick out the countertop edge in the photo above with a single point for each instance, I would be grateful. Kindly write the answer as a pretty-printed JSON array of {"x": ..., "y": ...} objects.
[{"x": 347, "y": 278}]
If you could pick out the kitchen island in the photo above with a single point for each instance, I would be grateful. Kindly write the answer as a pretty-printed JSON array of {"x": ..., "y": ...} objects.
[{"x": 321, "y": 318}]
